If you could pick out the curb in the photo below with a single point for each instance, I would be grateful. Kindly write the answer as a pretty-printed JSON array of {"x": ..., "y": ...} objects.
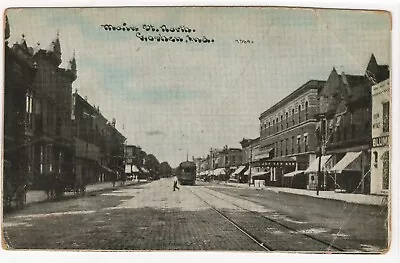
[
  {"x": 86, "y": 193},
  {"x": 312, "y": 196}
]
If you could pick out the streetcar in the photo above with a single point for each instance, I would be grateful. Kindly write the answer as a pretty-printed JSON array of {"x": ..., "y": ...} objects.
[{"x": 186, "y": 173}]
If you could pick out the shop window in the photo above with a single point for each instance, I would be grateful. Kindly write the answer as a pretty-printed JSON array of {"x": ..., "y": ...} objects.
[
  {"x": 41, "y": 159},
  {"x": 385, "y": 116},
  {"x": 385, "y": 171}
]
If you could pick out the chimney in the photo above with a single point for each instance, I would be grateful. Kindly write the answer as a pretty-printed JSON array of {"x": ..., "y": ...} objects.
[{"x": 114, "y": 121}]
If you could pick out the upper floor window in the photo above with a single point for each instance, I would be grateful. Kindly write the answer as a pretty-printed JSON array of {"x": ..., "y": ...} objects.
[
  {"x": 273, "y": 126},
  {"x": 298, "y": 144},
  {"x": 29, "y": 109},
  {"x": 287, "y": 119},
  {"x": 281, "y": 122},
  {"x": 292, "y": 144},
  {"x": 292, "y": 116},
  {"x": 306, "y": 143},
  {"x": 385, "y": 117},
  {"x": 287, "y": 146},
  {"x": 306, "y": 110},
  {"x": 299, "y": 113}
]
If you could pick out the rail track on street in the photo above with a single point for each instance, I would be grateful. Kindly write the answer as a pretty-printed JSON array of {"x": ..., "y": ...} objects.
[
  {"x": 241, "y": 229},
  {"x": 265, "y": 243}
]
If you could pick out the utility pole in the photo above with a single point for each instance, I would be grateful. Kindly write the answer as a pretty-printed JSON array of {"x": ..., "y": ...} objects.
[
  {"x": 320, "y": 151},
  {"x": 250, "y": 160}
]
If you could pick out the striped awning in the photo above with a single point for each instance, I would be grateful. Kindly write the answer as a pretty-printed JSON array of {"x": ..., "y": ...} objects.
[
  {"x": 239, "y": 170},
  {"x": 313, "y": 168},
  {"x": 345, "y": 162},
  {"x": 292, "y": 174}
]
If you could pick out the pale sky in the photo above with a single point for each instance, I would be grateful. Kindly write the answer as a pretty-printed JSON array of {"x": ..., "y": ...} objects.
[{"x": 173, "y": 98}]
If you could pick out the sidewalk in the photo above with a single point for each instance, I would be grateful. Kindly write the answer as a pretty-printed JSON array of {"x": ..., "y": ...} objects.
[
  {"x": 34, "y": 196},
  {"x": 346, "y": 197}
]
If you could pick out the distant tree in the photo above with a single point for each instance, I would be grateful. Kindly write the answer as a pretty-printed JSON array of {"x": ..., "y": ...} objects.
[
  {"x": 165, "y": 169},
  {"x": 152, "y": 164}
]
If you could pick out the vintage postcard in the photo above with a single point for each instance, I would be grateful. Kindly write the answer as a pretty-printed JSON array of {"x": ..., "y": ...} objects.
[{"x": 251, "y": 129}]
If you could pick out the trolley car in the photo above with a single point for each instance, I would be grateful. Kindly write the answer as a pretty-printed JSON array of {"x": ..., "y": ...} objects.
[{"x": 186, "y": 173}]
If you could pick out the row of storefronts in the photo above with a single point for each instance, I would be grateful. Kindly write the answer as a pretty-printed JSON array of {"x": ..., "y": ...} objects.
[
  {"x": 331, "y": 135},
  {"x": 48, "y": 130}
]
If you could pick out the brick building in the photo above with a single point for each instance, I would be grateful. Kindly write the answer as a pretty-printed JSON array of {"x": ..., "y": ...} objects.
[
  {"x": 19, "y": 126},
  {"x": 90, "y": 141},
  {"x": 38, "y": 96},
  {"x": 52, "y": 87},
  {"x": 287, "y": 133},
  {"x": 115, "y": 142},
  {"x": 345, "y": 108}
]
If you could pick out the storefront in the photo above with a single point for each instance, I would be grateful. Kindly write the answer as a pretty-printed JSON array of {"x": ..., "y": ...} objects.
[
  {"x": 277, "y": 167},
  {"x": 380, "y": 152},
  {"x": 349, "y": 174},
  {"x": 312, "y": 172}
]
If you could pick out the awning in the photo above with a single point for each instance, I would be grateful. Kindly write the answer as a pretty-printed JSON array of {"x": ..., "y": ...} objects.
[
  {"x": 219, "y": 171},
  {"x": 265, "y": 155},
  {"x": 313, "y": 168},
  {"x": 131, "y": 169},
  {"x": 107, "y": 169},
  {"x": 292, "y": 174},
  {"x": 239, "y": 170},
  {"x": 260, "y": 175},
  {"x": 345, "y": 162}
]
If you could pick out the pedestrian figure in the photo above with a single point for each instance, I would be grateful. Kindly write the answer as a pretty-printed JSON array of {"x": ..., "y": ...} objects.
[{"x": 175, "y": 183}]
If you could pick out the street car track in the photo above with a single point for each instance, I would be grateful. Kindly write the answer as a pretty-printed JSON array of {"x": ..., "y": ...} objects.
[
  {"x": 245, "y": 232},
  {"x": 269, "y": 219}
]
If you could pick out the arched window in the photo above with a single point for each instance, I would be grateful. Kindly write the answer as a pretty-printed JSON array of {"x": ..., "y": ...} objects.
[
  {"x": 299, "y": 113},
  {"x": 287, "y": 119},
  {"x": 292, "y": 116}
]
